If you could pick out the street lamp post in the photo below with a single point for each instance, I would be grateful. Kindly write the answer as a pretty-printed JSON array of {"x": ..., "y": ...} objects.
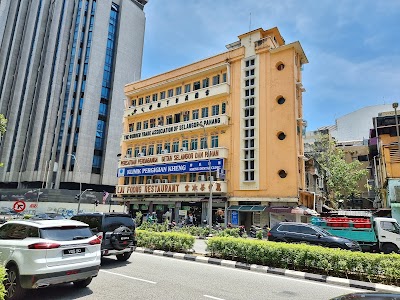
[
  {"x": 395, "y": 105},
  {"x": 80, "y": 180},
  {"x": 211, "y": 185}
]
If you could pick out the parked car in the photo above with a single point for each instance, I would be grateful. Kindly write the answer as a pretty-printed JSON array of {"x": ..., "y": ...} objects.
[
  {"x": 41, "y": 253},
  {"x": 292, "y": 232},
  {"x": 117, "y": 230},
  {"x": 369, "y": 296},
  {"x": 48, "y": 216}
]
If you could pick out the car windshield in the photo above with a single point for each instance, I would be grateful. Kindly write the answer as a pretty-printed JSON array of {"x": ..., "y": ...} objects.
[{"x": 65, "y": 233}]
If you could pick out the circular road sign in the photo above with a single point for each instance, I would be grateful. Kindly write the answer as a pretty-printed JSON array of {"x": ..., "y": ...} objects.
[{"x": 19, "y": 206}]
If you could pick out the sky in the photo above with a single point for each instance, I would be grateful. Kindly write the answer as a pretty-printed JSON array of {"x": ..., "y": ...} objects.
[{"x": 353, "y": 46}]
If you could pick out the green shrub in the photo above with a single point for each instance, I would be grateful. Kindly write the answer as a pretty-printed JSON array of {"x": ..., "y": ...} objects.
[
  {"x": 167, "y": 241},
  {"x": 383, "y": 268},
  {"x": 2, "y": 287}
]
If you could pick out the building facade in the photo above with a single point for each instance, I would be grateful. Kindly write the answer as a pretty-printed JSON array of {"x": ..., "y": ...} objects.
[
  {"x": 239, "y": 112},
  {"x": 63, "y": 66}
]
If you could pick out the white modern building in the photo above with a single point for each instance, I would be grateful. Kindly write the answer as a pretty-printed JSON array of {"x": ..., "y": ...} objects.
[{"x": 63, "y": 67}]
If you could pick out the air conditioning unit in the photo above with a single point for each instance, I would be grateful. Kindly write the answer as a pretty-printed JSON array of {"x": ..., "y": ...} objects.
[
  {"x": 127, "y": 156},
  {"x": 157, "y": 181},
  {"x": 140, "y": 154},
  {"x": 201, "y": 178},
  {"x": 149, "y": 180},
  {"x": 183, "y": 149},
  {"x": 165, "y": 180},
  {"x": 166, "y": 151}
]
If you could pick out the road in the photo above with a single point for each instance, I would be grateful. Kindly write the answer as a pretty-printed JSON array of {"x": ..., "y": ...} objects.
[{"x": 147, "y": 276}]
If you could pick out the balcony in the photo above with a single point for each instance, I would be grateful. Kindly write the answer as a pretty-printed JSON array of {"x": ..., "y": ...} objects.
[
  {"x": 201, "y": 94},
  {"x": 191, "y": 188},
  {"x": 182, "y": 155},
  {"x": 214, "y": 121}
]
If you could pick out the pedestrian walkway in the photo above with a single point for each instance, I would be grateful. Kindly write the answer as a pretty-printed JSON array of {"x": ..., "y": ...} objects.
[{"x": 200, "y": 246}]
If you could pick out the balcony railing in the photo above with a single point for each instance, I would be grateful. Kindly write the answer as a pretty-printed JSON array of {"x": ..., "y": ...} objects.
[
  {"x": 199, "y": 187},
  {"x": 206, "y": 93},
  {"x": 214, "y": 121},
  {"x": 182, "y": 155}
]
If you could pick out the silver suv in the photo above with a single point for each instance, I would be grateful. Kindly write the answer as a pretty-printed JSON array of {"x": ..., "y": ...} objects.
[{"x": 40, "y": 253}]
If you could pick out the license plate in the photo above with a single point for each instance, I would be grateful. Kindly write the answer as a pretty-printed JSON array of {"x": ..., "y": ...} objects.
[
  {"x": 124, "y": 238},
  {"x": 74, "y": 251}
]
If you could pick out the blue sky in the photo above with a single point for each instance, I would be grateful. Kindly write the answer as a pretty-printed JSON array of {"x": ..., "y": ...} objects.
[{"x": 353, "y": 46}]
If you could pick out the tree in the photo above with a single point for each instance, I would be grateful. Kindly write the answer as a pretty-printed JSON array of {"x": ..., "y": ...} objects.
[{"x": 341, "y": 177}]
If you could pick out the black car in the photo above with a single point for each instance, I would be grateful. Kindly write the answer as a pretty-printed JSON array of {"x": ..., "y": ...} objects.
[
  {"x": 117, "y": 230},
  {"x": 292, "y": 232}
]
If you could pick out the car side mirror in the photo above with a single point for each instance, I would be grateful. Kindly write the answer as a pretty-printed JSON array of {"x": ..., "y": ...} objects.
[{"x": 319, "y": 235}]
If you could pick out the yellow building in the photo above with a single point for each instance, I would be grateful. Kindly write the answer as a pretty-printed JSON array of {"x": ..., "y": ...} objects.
[{"x": 241, "y": 112}]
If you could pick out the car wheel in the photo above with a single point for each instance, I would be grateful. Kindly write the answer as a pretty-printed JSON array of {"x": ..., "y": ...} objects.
[
  {"x": 83, "y": 283},
  {"x": 389, "y": 248},
  {"x": 12, "y": 285},
  {"x": 124, "y": 257}
]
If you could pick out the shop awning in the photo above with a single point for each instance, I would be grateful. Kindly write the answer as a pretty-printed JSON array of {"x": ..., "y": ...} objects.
[{"x": 247, "y": 207}]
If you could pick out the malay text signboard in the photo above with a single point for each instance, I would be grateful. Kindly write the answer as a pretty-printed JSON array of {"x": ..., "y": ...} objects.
[{"x": 174, "y": 168}]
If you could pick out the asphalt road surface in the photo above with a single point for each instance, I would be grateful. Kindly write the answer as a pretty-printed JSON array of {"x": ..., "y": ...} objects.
[{"x": 147, "y": 276}]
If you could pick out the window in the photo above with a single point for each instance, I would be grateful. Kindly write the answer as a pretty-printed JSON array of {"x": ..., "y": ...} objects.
[
  {"x": 138, "y": 125},
  {"x": 249, "y": 82},
  {"x": 203, "y": 143},
  {"x": 159, "y": 148},
  {"x": 152, "y": 123},
  {"x": 134, "y": 102},
  {"x": 192, "y": 177},
  {"x": 141, "y": 180},
  {"x": 160, "y": 120},
  {"x": 136, "y": 151},
  {"x": 390, "y": 226},
  {"x": 196, "y": 85},
  {"x": 249, "y": 102},
  {"x": 174, "y": 178},
  {"x": 249, "y": 123},
  {"x": 145, "y": 124},
  {"x": 193, "y": 144},
  {"x": 177, "y": 118},
  {"x": 170, "y": 93},
  {"x": 162, "y": 95},
  {"x": 182, "y": 178},
  {"x": 249, "y": 112},
  {"x": 205, "y": 82},
  {"x": 175, "y": 146},
  {"x": 216, "y": 80},
  {"x": 223, "y": 108},
  {"x": 307, "y": 230},
  {"x": 155, "y": 97},
  {"x": 195, "y": 114},
  {"x": 186, "y": 115},
  {"x": 250, "y": 73},
  {"x": 178, "y": 90},
  {"x": 249, "y": 176},
  {"x": 65, "y": 233},
  {"x": 249, "y": 143},
  {"x": 131, "y": 127},
  {"x": 204, "y": 112},
  {"x": 126, "y": 180},
  {"x": 224, "y": 77},
  {"x": 147, "y": 99},
  {"x": 215, "y": 110},
  {"x": 280, "y": 66},
  {"x": 214, "y": 141},
  {"x": 169, "y": 119},
  {"x": 128, "y": 153},
  {"x": 249, "y": 132},
  {"x": 151, "y": 150},
  {"x": 13, "y": 232},
  {"x": 144, "y": 150},
  {"x": 187, "y": 88},
  {"x": 141, "y": 101},
  {"x": 167, "y": 146},
  {"x": 249, "y": 92},
  {"x": 250, "y": 62},
  {"x": 185, "y": 144}
]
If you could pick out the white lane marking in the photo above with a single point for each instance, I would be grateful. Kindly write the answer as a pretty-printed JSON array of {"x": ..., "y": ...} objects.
[
  {"x": 211, "y": 297},
  {"x": 130, "y": 277}
]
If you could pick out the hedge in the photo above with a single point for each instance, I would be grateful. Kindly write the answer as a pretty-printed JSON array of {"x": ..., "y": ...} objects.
[
  {"x": 167, "y": 241},
  {"x": 382, "y": 268},
  {"x": 3, "y": 275}
]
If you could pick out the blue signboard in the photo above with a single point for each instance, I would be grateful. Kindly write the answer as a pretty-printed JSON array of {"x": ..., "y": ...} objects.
[
  {"x": 175, "y": 168},
  {"x": 234, "y": 217}
]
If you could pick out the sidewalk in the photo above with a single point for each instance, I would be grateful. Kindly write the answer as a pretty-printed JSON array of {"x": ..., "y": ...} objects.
[{"x": 200, "y": 246}]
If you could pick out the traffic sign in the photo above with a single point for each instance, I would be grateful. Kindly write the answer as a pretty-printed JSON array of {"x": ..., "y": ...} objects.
[{"x": 19, "y": 206}]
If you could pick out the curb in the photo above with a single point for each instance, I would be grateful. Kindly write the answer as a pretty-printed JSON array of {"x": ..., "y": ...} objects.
[{"x": 378, "y": 287}]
